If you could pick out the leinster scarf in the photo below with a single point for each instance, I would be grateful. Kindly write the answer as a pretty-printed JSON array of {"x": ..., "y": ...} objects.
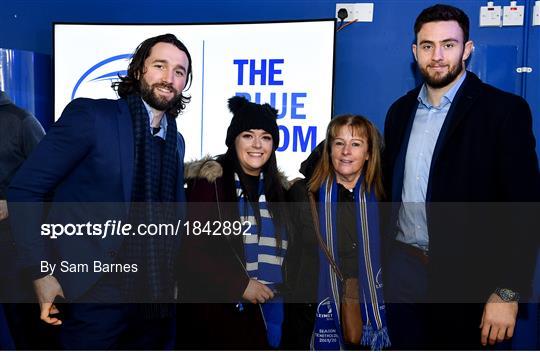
[
  {"x": 263, "y": 257},
  {"x": 151, "y": 198},
  {"x": 327, "y": 334}
]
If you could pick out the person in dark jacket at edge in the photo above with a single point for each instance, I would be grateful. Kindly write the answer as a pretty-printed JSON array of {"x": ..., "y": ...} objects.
[
  {"x": 240, "y": 282},
  {"x": 20, "y": 132},
  {"x": 343, "y": 177}
]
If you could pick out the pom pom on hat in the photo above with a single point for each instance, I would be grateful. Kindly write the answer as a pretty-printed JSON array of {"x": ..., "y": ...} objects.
[{"x": 251, "y": 116}]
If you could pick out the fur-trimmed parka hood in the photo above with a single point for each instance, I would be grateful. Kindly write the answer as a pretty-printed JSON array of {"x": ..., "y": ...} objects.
[
  {"x": 207, "y": 168},
  {"x": 210, "y": 169}
]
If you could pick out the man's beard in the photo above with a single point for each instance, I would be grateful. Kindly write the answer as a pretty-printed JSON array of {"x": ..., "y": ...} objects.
[
  {"x": 440, "y": 81},
  {"x": 154, "y": 100}
]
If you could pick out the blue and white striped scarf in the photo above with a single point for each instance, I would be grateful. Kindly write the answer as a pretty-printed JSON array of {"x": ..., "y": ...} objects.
[
  {"x": 327, "y": 334},
  {"x": 263, "y": 257}
]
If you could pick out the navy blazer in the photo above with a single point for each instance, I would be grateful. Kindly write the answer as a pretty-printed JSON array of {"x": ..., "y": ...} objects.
[
  {"x": 485, "y": 153},
  {"x": 85, "y": 164}
]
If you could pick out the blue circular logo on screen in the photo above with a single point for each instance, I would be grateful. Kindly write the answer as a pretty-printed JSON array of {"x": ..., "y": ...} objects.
[{"x": 104, "y": 71}]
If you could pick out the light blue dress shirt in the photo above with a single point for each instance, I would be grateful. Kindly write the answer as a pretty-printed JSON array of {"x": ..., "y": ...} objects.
[
  {"x": 163, "y": 123},
  {"x": 427, "y": 124}
]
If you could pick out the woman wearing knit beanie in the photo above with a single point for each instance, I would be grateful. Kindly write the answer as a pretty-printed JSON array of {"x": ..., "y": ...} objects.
[{"x": 237, "y": 281}]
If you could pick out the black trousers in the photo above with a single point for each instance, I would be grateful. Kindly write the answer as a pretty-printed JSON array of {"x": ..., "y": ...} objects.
[
  {"x": 101, "y": 325},
  {"x": 413, "y": 323}
]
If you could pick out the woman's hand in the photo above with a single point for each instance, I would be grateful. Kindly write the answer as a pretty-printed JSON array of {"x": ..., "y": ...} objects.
[{"x": 257, "y": 292}]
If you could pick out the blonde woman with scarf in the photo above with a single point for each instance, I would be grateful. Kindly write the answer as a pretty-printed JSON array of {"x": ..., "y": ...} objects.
[{"x": 341, "y": 192}]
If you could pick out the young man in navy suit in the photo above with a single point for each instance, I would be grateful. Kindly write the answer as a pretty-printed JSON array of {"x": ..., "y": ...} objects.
[
  {"x": 457, "y": 262},
  {"x": 109, "y": 160}
]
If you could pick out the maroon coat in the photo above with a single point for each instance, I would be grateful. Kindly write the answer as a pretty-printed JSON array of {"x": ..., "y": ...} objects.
[{"x": 212, "y": 272}]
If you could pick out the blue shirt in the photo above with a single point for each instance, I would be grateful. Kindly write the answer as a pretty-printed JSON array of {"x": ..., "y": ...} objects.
[
  {"x": 163, "y": 123},
  {"x": 427, "y": 124}
]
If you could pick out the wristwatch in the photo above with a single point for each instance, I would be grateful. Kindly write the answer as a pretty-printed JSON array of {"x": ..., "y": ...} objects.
[{"x": 507, "y": 294}]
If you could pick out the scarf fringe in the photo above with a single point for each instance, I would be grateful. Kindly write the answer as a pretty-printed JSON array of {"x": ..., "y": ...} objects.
[{"x": 377, "y": 340}]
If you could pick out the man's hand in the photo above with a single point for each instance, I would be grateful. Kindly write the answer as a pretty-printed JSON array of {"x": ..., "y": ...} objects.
[
  {"x": 47, "y": 288},
  {"x": 498, "y": 320},
  {"x": 257, "y": 292},
  {"x": 3, "y": 209}
]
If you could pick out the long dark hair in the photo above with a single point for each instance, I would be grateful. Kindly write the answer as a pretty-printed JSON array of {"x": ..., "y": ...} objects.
[
  {"x": 273, "y": 187},
  {"x": 130, "y": 84}
]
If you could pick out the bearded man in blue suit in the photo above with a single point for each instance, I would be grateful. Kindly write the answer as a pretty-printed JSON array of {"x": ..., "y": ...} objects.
[{"x": 109, "y": 160}]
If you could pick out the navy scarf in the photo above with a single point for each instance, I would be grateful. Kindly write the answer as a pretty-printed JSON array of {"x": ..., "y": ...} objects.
[
  {"x": 153, "y": 192},
  {"x": 263, "y": 257},
  {"x": 327, "y": 334}
]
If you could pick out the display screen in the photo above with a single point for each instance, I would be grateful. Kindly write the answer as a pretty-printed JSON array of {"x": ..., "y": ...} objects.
[{"x": 286, "y": 64}]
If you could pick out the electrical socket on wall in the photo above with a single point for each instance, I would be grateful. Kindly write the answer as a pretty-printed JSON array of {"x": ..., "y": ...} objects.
[
  {"x": 513, "y": 15},
  {"x": 536, "y": 14},
  {"x": 361, "y": 12},
  {"x": 490, "y": 15}
]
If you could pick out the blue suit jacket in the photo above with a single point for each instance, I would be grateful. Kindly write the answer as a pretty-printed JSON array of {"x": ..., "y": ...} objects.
[{"x": 85, "y": 163}]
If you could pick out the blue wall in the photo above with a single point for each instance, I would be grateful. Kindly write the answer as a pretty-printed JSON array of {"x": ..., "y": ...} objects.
[{"x": 373, "y": 60}]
